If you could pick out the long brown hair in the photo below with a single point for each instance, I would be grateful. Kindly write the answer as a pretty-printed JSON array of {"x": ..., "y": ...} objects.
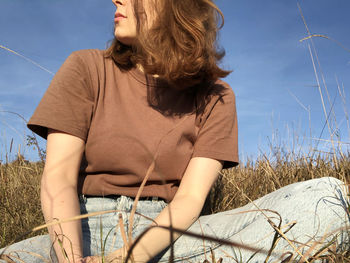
[{"x": 181, "y": 45}]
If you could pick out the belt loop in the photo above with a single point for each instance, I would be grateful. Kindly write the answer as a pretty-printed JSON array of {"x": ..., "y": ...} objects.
[
  {"x": 82, "y": 198},
  {"x": 121, "y": 203}
]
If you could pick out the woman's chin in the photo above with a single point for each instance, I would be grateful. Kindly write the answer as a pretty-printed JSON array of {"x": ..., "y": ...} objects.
[{"x": 126, "y": 40}]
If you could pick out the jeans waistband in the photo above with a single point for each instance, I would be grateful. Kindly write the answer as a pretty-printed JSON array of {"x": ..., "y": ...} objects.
[
  {"x": 90, "y": 204},
  {"x": 142, "y": 198}
]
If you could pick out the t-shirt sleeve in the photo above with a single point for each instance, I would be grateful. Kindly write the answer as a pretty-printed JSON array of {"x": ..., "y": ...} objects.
[
  {"x": 217, "y": 137},
  {"x": 68, "y": 103}
]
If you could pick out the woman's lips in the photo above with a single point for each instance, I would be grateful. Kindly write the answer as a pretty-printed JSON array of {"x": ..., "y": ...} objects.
[{"x": 118, "y": 17}]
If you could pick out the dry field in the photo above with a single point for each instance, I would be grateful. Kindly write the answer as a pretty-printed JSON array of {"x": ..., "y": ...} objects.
[
  {"x": 19, "y": 199},
  {"x": 20, "y": 204}
]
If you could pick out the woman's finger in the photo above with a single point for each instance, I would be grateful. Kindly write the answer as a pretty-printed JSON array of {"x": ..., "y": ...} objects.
[{"x": 91, "y": 259}]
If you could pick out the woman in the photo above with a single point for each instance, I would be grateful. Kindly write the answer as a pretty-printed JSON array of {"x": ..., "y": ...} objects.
[{"x": 149, "y": 110}]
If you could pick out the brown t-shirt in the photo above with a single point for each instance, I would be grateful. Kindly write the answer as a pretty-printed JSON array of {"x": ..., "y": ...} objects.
[{"x": 114, "y": 113}]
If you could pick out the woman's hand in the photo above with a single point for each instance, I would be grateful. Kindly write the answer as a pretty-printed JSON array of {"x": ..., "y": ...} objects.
[
  {"x": 114, "y": 257},
  {"x": 117, "y": 256},
  {"x": 91, "y": 259}
]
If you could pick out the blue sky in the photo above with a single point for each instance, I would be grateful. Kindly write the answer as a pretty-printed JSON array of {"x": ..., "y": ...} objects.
[{"x": 273, "y": 75}]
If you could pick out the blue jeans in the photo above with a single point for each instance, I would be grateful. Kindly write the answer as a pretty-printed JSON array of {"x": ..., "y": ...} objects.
[{"x": 310, "y": 212}]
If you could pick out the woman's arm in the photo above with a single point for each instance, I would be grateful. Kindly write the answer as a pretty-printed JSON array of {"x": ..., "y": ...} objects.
[
  {"x": 185, "y": 208},
  {"x": 59, "y": 197}
]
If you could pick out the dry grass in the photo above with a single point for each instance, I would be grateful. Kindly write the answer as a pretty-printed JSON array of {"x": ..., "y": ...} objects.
[
  {"x": 269, "y": 174},
  {"x": 19, "y": 199}
]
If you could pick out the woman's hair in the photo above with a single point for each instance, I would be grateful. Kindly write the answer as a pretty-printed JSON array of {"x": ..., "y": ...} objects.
[{"x": 180, "y": 46}]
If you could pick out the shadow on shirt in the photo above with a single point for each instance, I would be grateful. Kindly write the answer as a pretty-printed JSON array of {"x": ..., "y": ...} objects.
[{"x": 177, "y": 102}]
